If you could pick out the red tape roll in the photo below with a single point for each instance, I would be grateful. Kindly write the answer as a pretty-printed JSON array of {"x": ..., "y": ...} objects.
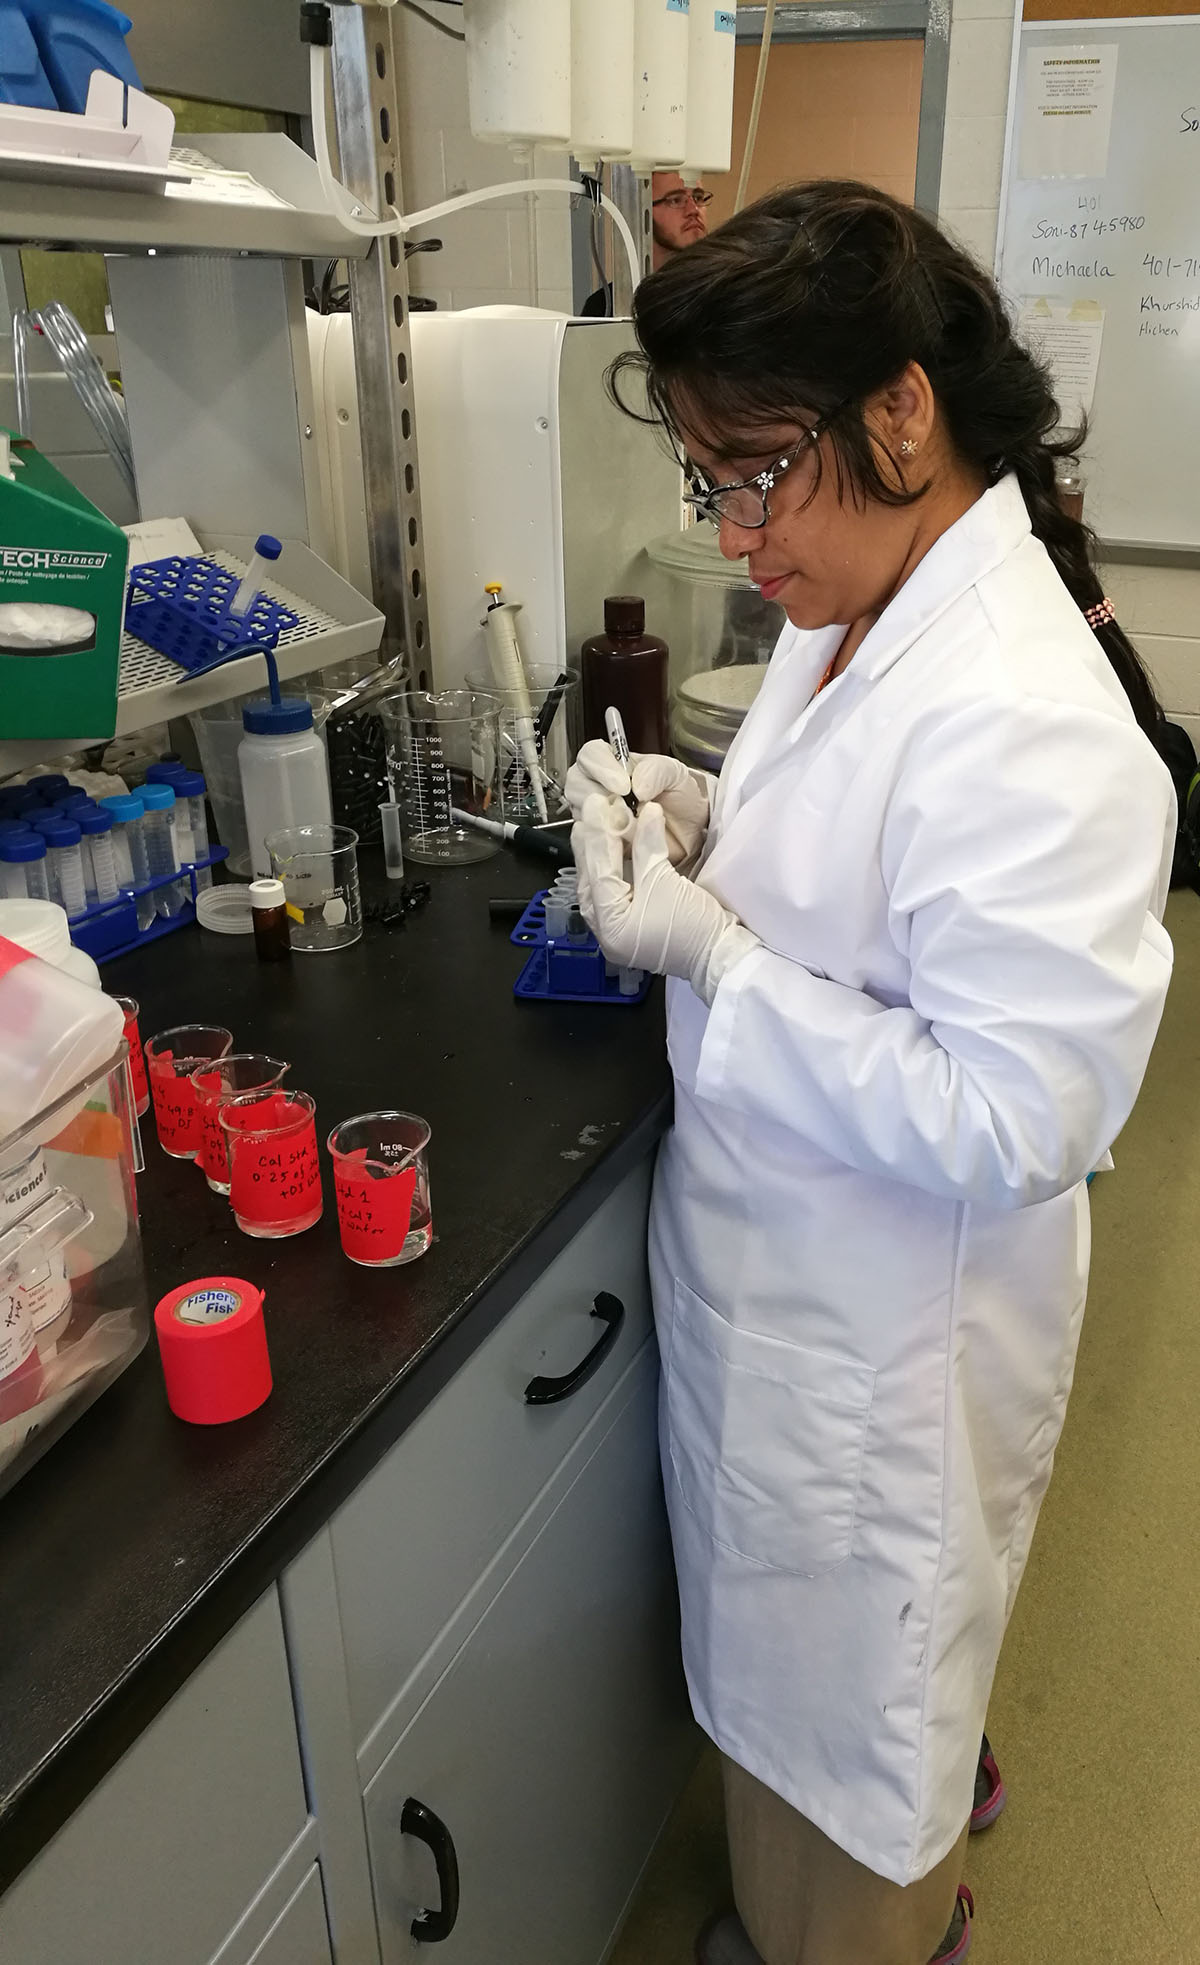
[{"x": 213, "y": 1346}]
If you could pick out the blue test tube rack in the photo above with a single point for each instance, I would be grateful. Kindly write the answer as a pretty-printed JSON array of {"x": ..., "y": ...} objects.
[
  {"x": 562, "y": 971},
  {"x": 110, "y": 928},
  {"x": 180, "y": 606}
]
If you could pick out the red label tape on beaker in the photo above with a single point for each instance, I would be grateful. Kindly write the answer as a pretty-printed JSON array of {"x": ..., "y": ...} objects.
[
  {"x": 374, "y": 1211},
  {"x": 213, "y": 1346},
  {"x": 174, "y": 1107},
  {"x": 137, "y": 1063},
  {"x": 277, "y": 1178}
]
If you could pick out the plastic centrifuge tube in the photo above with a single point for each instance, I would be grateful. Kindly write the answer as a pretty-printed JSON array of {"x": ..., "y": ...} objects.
[
  {"x": 393, "y": 849},
  {"x": 191, "y": 820},
  {"x": 162, "y": 854},
  {"x": 64, "y": 865},
  {"x": 266, "y": 552},
  {"x": 129, "y": 850},
  {"x": 558, "y": 909},
  {"x": 629, "y": 981},
  {"x": 99, "y": 865},
  {"x": 23, "y": 866}
]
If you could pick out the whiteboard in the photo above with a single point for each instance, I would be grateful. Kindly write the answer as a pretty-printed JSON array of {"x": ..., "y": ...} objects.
[{"x": 1123, "y": 242}]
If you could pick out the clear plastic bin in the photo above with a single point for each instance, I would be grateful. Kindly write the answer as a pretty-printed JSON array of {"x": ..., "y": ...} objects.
[{"x": 73, "y": 1298}]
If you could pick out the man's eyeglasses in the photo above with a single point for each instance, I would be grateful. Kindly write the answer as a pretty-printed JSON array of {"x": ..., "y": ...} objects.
[
  {"x": 745, "y": 503},
  {"x": 679, "y": 200}
]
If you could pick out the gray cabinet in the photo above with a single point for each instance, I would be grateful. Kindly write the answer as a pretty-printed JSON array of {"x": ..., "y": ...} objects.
[
  {"x": 299, "y": 1935},
  {"x": 438, "y": 1510},
  {"x": 555, "y": 1741},
  {"x": 162, "y": 1859}
]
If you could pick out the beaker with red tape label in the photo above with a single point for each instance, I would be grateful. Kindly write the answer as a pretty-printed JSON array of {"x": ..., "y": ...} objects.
[
  {"x": 214, "y": 1085},
  {"x": 381, "y": 1182},
  {"x": 274, "y": 1173},
  {"x": 171, "y": 1058}
]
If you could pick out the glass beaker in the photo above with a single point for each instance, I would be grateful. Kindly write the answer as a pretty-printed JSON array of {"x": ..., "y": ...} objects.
[
  {"x": 381, "y": 1183},
  {"x": 318, "y": 866},
  {"x": 171, "y": 1058},
  {"x": 443, "y": 757},
  {"x": 551, "y": 699},
  {"x": 214, "y": 1084},
  {"x": 274, "y": 1173}
]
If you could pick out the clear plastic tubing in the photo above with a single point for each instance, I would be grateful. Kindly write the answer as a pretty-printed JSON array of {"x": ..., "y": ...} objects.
[
  {"x": 192, "y": 819},
  {"x": 129, "y": 850},
  {"x": 64, "y": 865},
  {"x": 162, "y": 853},
  {"x": 99, "y": 865},
  {"x": 23, "y": 858}
]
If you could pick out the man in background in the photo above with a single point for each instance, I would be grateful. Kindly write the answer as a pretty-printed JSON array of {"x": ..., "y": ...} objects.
[{"x": 679, "y": 218}]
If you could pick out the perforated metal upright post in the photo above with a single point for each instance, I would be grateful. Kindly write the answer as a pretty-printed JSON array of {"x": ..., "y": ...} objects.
[{"x": 368, "y": 127}]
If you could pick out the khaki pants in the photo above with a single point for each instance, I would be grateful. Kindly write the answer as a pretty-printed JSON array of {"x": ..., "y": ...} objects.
[{"x": 804, "y": 1901}]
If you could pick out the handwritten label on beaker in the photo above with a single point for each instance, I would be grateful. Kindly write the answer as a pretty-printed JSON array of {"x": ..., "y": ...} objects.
[
  {"x": 174, "y": 1107},
  {"x": 374, "y": 1213},
  {"x": 276, "y": 1178}
]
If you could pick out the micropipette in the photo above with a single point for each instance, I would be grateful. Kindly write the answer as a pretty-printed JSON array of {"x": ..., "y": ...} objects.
[
  {"x": 266, "y": 552},
  {"x": 504, "y": 654},
  {"x": 619, "y": 743},
  {"x": 525, "y": 839}
]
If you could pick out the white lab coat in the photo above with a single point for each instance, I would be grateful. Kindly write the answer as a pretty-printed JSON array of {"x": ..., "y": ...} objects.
[{"x": 870, "y": 1234}]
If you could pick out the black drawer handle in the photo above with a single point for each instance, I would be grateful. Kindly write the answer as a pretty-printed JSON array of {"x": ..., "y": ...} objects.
[
  {"x": 547, "y": 1391},
  {"x": 429, "y": 1927}
]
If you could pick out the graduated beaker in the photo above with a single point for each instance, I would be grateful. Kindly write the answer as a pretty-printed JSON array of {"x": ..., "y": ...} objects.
[
  {"x": 318, "y": 866},
  {"x": 214, "y": 1085},
  {"x": 443, "y": 756},
  {"x": 381, "y": 1183},
  {"x": 274, "y": 1173},
  {"x": 171, "y": 1058},
  {"x": 544, "y": 710}
]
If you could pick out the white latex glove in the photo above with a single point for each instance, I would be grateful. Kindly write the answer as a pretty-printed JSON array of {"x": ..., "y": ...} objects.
[
  {"x": 664, "y": 922},
  {"x": 685, "y": 796}
]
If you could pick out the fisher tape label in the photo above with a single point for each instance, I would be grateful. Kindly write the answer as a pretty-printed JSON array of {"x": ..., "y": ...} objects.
[{"x": 208, "y": 1306}]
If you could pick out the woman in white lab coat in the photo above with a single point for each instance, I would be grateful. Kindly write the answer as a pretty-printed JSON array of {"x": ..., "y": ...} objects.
[{"x": 915, "y": 935}]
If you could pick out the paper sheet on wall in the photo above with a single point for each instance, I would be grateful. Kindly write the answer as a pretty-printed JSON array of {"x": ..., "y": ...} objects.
[
  {"x": 1067, "y": 336},
  {"x": 1068, "y": 111}
]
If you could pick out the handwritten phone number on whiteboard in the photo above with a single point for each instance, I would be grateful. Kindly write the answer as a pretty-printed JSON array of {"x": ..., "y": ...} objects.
[
  {"x": 1160, "y": 267},
  {"x": 1088, "y": 228}
]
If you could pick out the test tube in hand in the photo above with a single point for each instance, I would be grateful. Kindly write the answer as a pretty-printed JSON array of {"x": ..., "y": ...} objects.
[{"x": 266, "y": 551}]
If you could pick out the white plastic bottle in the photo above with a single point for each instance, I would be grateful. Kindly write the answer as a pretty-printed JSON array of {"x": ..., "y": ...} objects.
[
  {"x": 284, "y": 772},
  {"x": 43, "y": 929},
  {"x": 54, "y": 1030}
]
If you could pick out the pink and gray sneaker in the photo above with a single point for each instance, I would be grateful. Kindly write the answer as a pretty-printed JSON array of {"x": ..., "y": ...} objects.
[
  {"x": 958, "y": 1938},
  {"x": 990, "y": 1791}
]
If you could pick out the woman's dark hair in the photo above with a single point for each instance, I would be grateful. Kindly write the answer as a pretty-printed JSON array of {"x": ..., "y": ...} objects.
[{"x": 811, "y": 301}]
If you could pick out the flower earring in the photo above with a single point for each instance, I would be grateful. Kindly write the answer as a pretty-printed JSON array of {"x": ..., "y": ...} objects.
[{"x": 909, "y": 447}]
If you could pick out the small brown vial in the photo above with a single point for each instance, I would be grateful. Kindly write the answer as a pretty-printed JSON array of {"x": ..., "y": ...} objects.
[{"x": 268, "y": 913}]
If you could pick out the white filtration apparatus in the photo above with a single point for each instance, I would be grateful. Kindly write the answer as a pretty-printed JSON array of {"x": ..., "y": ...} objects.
[{"x": 647, "y": 82}]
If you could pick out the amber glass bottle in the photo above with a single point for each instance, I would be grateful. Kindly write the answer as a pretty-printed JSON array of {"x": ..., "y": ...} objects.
[{"x": 626, "y": 668}]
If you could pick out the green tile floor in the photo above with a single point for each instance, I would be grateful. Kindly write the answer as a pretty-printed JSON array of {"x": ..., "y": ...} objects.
[{"x": 1096, "y": 1711}]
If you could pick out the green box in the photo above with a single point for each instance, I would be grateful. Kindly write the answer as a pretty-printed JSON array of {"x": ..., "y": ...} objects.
[{"x": 56, "y": 548}]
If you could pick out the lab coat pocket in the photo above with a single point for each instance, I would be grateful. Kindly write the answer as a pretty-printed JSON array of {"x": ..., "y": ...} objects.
[{"x": 766, "y": 1440}]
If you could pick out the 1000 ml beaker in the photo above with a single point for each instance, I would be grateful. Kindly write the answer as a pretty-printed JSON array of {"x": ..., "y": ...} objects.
[
  {"x": 443, "y": 755},
  {"x": 543, "y": 711},
  {"x": 318, "y": 866}
]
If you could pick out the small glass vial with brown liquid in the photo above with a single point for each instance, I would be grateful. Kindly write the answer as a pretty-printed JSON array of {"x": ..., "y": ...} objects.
[{"x": 269, "y": 919}]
